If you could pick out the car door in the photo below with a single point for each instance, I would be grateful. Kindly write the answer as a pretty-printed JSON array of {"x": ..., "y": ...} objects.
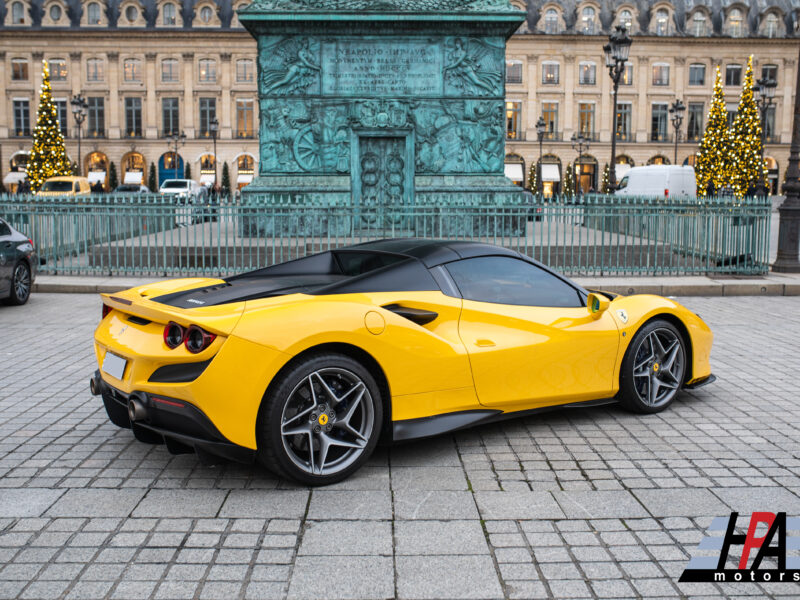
[
  {"x": 531, "y": 340},
  {"x": 7, "y": 256}
]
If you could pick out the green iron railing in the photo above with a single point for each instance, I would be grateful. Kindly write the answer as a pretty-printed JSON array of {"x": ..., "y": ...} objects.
[{"x": 591, "y": 235}]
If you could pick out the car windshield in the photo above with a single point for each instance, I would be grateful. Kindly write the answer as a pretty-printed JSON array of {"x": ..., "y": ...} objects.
[
  {"x": 128, "y": 188},
  {"x": 57, "y": 186},
  {"x": 623, "y": 184},
  {"x": 175, "y": 185}
]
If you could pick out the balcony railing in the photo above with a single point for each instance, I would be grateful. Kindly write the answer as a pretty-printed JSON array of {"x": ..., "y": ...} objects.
[
  {"x": 518, "y": 136},
  {"x": 625, "y": 136},
  {"x": 552, "y": 136},
  {"x": 660, "y": 136}
]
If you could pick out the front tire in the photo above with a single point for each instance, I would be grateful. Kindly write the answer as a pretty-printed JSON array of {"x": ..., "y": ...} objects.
[
  {"x": 321, "y": 420},
  {"x": 20, "y": 285},
  {"x": 653, "y": 369}
]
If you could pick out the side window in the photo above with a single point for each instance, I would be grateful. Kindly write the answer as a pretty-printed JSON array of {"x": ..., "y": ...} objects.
[
  {"x": 505, "y": 280},
  {"x": 4, "y": 229}
]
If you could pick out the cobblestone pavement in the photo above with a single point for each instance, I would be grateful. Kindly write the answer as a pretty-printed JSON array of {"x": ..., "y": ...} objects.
[{"x": 588, "y": 503}]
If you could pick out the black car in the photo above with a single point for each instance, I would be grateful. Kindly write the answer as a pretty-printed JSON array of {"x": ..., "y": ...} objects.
[{"x": 18, "y": 263}]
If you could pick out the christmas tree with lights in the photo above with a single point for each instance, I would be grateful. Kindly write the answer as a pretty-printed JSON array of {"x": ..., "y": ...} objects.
[
  {"x": 713, "y": 165},
  {"x": 605, "y": 186},
  {"x": 569, "y": 182},
  {"x": 48, "y": 156},
  {"x": 533, "y": 178},
  {"x": 747, "y": 168}
]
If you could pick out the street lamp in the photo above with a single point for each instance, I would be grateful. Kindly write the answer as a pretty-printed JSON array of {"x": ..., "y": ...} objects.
[
  {"x": 176, "y": 139},
  {"x": 79, "y": 110},
  {"x": 541, "y": 127},
  {"x": 789, "y": 229},
  {"x": 676, "y": 114},
  {"x": 214, "y": 128},
  {"x": 617, "y": 51},
  {"x": 765, "y": 94},
  {"x": 581, "y": 145}
]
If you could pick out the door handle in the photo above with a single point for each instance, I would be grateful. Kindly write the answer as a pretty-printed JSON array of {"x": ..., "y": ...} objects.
[
  {"x": 484, "y": 343},
  {"x": 415, "y": 315}
]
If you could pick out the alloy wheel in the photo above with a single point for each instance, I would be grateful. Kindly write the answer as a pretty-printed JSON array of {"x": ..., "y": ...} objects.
[
  {"x": 327, "y": 421},
  {"x": 658, "y": 367},
  {"x": 22, "y": 282}
]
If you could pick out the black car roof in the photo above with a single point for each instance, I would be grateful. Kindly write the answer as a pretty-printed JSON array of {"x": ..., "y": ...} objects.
[{"x": 431, "y": 252}]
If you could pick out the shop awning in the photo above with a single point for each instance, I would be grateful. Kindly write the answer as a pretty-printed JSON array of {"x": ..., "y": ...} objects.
[
  {"x": 95, "y": 176},
  {"x": 550, "y": 172},
  {"x": 514, "y": 172},
  {"x": 621, "y": 169},
  {"x": 134, "y": 177},
  {"x": 244, "y": 178},
  {"x": 15, "y": 177},
  {"x": 206, "y": 178}
]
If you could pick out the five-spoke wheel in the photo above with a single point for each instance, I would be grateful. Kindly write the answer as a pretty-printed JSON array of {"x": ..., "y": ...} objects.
[{"x": 321, "y": 421}]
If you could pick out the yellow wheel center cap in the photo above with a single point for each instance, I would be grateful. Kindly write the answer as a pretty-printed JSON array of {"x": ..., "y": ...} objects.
[
  {"x": 323, "y": 419},
  {"x": 655, "y": 367}
]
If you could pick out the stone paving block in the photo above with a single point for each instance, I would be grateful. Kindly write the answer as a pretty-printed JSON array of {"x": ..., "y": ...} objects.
[
  {"x": 440, "y": 537},
  {"x": 96, "y": 503},
  {"x": 265, "y": 504},
  {"x": 350, "y": 505},
  {"x": 27, "y": 502},
  {"x": 599, "y": 504},
  {"x": 341, "y": 538},
  {"x": 681, "y": 503},
  {"x": 463, "y": 577},
  {"x": 750, "y": 499},
  {"x": 342, "y": 578},
  {"x": 166, "y": 503},
  {"x": 428, "y": 478},
  {"x": 518, "y": 505},
  {"x": 421, "y": 504}
]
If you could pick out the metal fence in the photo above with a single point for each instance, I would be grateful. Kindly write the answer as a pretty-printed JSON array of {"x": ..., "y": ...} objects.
[{"x": 591, "y": 235}]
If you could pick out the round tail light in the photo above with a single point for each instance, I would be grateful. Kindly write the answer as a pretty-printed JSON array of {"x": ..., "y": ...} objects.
[
  {"x": 174, "y": 335},
  {"x": 198, "y": 340}
]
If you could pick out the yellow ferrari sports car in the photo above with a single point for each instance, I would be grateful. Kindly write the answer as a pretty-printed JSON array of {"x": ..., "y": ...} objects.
[{"x": 304, "y": 365}]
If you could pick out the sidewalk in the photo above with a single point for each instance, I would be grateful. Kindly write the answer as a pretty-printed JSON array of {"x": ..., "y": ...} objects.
[{"x": 774, "y": 284}]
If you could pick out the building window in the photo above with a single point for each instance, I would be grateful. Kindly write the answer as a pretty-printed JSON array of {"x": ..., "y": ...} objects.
[
  {"x": 771, "y": 25},
  {"x": 662, "y": 22},
  {"x": 208, "y": 70},
  {"x": 732, "y": 110},
  {"x": 551, "y": 21},
  {"x": 169, "y": 16},
  {"x": 19, "y": 69},
  {"x": 245, "y": 119},
  {"x": 733, "y": 75},
  {"x": 586, "y": 120},
  {"x": 659, "y": 123},
  {"x": 94, "y": 69},
  {"x": 627, "y": 75},
  {"x": 22, "y": 118},
  {"x": 626, "y": 19},
  {"x": 550, "y": 116},
  {"x": 660, "y": 74},
  {"x": 131, "y": 13},
  {"x": 769, "y": 72},
  {"x": 132, "y": 70},
  {"x": 623, "y": 129},
  {"x": 550, "y": 73},
  {"x": 169, "y": 70},
  {"x": 17, "y": 13},
  {"x": 96, "y": 119},
  {"x": 133, "y": 117},
  {"x": 699, "y": 24},
  {"x": 61, "y": 112},
  {"x": 735, "y": 23},
  {"x": 206, "y": 14},
  {"x": 769, "y": 125},
  {"x": 55, "y": 13},
  {"x": 587, "y": 73},
  {"x": 513, "y": 71},
  {"x": 513, "y": 120},
  {"x": 93, "y": 13},
  {"x": 244, "y": 71},
  {"x": 169, "y": 116},
  {"x": 208, "y": 112},
  {"x": 697, "y": 74},
  {"x": 694, "y": 122},
  {"x": 587, "y": 20},
  {"x": 58, "y": 69}
]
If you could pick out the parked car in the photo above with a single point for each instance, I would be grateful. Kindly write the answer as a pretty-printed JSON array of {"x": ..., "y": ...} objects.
[
  {"x": 132, "y": 188},
  {"x": 191, "y": 199},
  {"x": 65, "y": 185},
  {"x": 667, "y": 181},
  {"x": 18, "y": 263}
]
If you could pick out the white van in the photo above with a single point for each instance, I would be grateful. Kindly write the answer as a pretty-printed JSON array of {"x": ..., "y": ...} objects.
[{"x": 664, "y": 181}]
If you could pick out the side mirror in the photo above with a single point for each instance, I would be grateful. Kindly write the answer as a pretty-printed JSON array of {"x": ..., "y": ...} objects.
[{"x": 597, "y": 304}]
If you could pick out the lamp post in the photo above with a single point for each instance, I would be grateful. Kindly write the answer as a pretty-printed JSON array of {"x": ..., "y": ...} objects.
[
  {"x": 79, "y": 110},
  {"x": 214, "y": 128},
  {"x": 676, "y": 114},
  {"x": 789, "y": 229},
  {"x": 617, "y": 51},
  {"x": 540, "y": 129},
  {"x": 581, "y": 145},
  {"x": 174, "y": 140},
  {"x": 765, "y": 94}
]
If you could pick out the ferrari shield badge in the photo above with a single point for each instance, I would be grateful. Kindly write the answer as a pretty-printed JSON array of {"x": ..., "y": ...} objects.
[{"x": 623, "y": 315}]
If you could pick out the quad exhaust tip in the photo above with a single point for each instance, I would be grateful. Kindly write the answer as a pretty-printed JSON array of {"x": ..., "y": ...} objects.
[{"x": 136, "y": 409}]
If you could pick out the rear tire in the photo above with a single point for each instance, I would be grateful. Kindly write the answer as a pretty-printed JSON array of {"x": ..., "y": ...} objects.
[
  {"x": 653, "y": 369},
  {"x": 321, "y": 420},
  {"x": 20, "y": 285},
  {"x": 117, "y": 413}
]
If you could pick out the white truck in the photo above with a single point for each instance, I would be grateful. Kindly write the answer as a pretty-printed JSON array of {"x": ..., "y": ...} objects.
[{"x": 665, "y": 181}]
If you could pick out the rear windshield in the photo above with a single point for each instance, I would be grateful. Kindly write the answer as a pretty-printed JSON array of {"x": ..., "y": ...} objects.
[
  {"x": 57, "y": 186},
  {"x": 175, "y": 185},
  {"x": 357, "y": 263}
]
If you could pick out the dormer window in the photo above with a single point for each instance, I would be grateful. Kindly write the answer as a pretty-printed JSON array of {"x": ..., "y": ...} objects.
[
  {"x": 93, "y": 13},
  {"x": 736, "y": 23},
  {"x": 699, "y": 24},
  {"x": 587, "y": 20},
  {"x": 206, "y": 14},
  {"x": 626, "y": 19},
  {"x": 17, "y": 13},
  {"x": 55, "y": 13},
  {"x": 771, "y": 25},
  {"x": 169, "y": 16},
  {"x": 662, "y": 21},
  {"x": 131, "y": 13},
  {"x": 551, "y": 21}
]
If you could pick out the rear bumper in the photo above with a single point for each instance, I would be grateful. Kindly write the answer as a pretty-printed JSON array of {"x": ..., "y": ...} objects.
[{"x": 183, "y": 426}]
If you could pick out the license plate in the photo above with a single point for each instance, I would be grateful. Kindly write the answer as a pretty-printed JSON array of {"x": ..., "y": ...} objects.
[{"x": 114, "y": 365}]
